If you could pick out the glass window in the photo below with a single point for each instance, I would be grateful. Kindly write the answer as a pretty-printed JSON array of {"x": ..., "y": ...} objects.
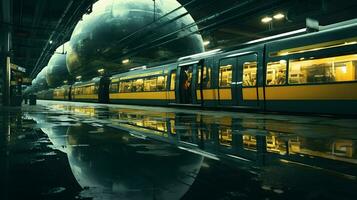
[
  {"x": 323, "y": 70},
  {"x": 173, "y": 80},
  {"x": 150, "y": 84},
  {"x": 161, "y": 83},
  {"x": 276, "y": 73},
  {"x": 206, "y": 79},
  {"x": 249, "y": 142},
  {"x": 225, "y": 72},
  {"x": 138, "y": 85},
  {"x": 114, "y": 88},
  {"x": 225, "y": 136},
  {"x": 249, "y": 74},
  {"x": 125, "y": 86},
  {"x": 95, "y": 89},
  {"x": 85, "y": 90}
]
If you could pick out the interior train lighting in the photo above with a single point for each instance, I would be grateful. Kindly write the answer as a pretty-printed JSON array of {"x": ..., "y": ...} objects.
[{"x": 137, "y": 68}]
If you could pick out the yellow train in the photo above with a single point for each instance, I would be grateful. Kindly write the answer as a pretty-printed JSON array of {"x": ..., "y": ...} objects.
[{"x": 312, "y": 73}]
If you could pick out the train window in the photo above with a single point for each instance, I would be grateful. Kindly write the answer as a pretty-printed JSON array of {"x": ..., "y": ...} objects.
[
  {"x": 173, "y": 80},
  {"x": 76, "y": 91},
  {"x": 92, "y": 90},
  {"x": 276, "y": 73},
  {"x": 249, "y": 74},
  {"x": 84, "y": 90},
  {"x": 125, "y": 86},
  {"x": 249, "y": 142},
  {"x": 161, "y": 83},
  {"x": 225, "y": 72},
  {"x": 206, "y": 79},
  {"x": 323, "y": 70},
  {"x": 138, "y": 85},
  {"x": 95, "y": 89},
  {"x": 150, "y": 84},
  {"x": 114, "y": 88},
  {"x": 88, "y": 90},
  {"x": 225, "y": 136}
]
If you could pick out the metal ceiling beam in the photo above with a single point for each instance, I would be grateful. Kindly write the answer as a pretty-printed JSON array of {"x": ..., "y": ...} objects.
[
  {"x": 39, "y": 10},
  {"x": 63, "y": 29}
]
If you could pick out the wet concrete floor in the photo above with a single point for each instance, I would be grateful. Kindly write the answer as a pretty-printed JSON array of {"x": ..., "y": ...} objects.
[{"x": 67, "y": 150}]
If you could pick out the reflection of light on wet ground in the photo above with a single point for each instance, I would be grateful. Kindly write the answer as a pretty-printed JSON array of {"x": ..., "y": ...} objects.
[{"x": 266, "y": 148}]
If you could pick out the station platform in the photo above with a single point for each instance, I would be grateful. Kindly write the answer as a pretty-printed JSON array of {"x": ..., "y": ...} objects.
[{"x": 71, "y": 150}]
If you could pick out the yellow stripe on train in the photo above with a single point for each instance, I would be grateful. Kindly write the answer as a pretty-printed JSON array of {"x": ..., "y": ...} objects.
[
  {"x": 339, "y": 91},
  {"x": 144, "y": 95},
  {"x": 86, "y": 96}
]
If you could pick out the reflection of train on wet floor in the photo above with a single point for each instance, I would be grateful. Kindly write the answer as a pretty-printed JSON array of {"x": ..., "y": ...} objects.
[
  {"x": 245, "y": 137},
  {"x": 314, "y": 72}
]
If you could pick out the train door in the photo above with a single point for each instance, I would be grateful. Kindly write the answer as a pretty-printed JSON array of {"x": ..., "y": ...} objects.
[
  {"x": 185, "y": 86},
  {"x": 103, "y": 90},
  {"x": 244, "y": 89},
  {"x": 172, "y": 86}
]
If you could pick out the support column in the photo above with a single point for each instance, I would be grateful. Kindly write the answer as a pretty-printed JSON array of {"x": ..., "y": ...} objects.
[
  {"x": 5, "y": 67},
  {"x": 5, "y": 48}
]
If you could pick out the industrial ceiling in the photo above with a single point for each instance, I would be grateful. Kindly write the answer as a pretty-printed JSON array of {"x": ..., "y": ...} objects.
[{"x": 39, "y": 26}]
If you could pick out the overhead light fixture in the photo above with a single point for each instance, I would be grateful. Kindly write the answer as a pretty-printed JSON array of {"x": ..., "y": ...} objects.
[
  {"x": 138, "y": 68},
  {"x": 206, "y": 42},
  {"x": 100, "y": 70},
  {"x": 266, "y": 19},
  {"x": 50, "y": 41},
  {"x": 279, "y": 16},
  {"x": 78, "y": 77},
  {"x": 125, "y": 61}
]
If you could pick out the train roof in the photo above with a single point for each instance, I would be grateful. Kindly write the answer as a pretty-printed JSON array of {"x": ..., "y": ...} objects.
[
  {"x": 329, "y": 36},
  {"x": 143, "y": 71},
  {"x": 94, "y": 80}
]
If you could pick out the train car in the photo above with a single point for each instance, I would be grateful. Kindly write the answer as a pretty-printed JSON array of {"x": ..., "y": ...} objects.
[
  {"x": 62, "y": 93},
  {"x": 146, "y": 86},
  {"x": 310, "y": 73},
  {"x": 45, "y": 94},
  {"x": 314, "y": 73},
  {"x": 95, "y": 90}
]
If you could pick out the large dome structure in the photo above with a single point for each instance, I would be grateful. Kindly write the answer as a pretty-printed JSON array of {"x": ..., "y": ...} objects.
[
  {"x": 125, "y": 167},
  {"x": 40, "y": 83},
  {"x": 117, "y": 30},
  {"x": 57, "y": 71}
]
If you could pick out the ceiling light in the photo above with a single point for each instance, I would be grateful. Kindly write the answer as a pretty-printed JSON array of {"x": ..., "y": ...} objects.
[
  {"x": 266, "y": 19},
  {"x": 78, "y": 77},
  {"x": 206, "y": 42},
  {"x": 100, "y": 70},
  {"x": 125, "y": 61},
  {"x": 50, "y": 41},
  {"x": 279, "y": 16}
]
